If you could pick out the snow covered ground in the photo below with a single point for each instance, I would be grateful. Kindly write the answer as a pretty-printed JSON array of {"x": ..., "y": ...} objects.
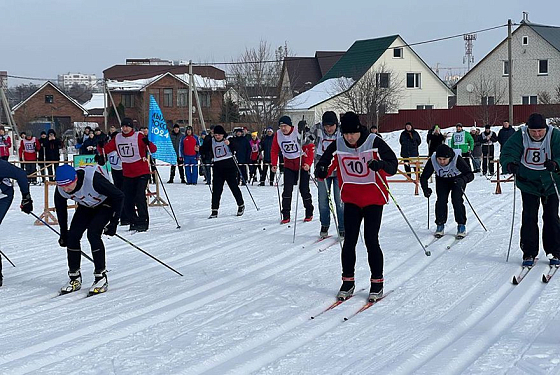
[{"x": 247, "y": 295}]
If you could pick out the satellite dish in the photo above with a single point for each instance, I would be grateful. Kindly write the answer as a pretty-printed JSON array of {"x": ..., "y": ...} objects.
[
  {"x": 470, "y": 87},
  {"x": 193, "y": 109}
]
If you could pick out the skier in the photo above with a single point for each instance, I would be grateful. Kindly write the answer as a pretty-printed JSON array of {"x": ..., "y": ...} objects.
[
  {"x": 225, "y": 170},
  {"x": 533, "y": 156},
  {"x": 99, "y": 208},
  {"x": 324, "y": 134},
  {"x": 488, "y": 139},
  {"x": 8, "y": 171},
  {"x": 28, "y": 148},
  {"x": 361, "y": 159},
  {"x": 297, "y": 161},
  {"x": 133, "y": 147},
  {"x": 188, "y": 151},
  {"x": 462, "y": 140},
  {"x": 452, "y": 175}
]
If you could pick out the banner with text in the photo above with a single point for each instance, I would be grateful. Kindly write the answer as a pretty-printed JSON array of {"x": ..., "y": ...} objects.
[{"x": 159, "y": 135}]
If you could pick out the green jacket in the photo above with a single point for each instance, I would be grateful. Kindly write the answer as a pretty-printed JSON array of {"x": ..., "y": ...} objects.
[
  {"x": 467, "y": 144},
  {"x": 528, "y": 180}
]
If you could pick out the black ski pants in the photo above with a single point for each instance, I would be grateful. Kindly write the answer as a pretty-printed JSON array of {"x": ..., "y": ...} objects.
[
  {"x": 4, "y": 206},
  {"x": 180, "y": 168},
  {"x": 118, "y": 182},
  {"x": 264, "y": 172},
  {"x": 92, "y": 219},
  {"x": 353, "y": 216},
  {"x": 290, "y": 179},
  {"x": 530, "y": 224},
  {"x": 135, "y": 204},
  {"x": 487, "y": 157},
  {"x": 444, "y": 186},
  {"x": 222, "y": 175}
]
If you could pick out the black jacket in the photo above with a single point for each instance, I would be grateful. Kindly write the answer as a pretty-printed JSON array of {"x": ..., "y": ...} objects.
[
  {"x": 266, "y": 146},
  {"x": 175, "y": 140},
  {"x": 409, "y": 140},
  {"x": 52, "y": 149},
  {"x": 504, "y": 134},
  {"x": 206, "y": 153},
  {"x": 242, "y": 149},
  {"x": 434, "y": 140}
]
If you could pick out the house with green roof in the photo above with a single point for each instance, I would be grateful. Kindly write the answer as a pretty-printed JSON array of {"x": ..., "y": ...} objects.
[
  {"x": 390, "y": 63},
  {"x": 535, "y": 72}
]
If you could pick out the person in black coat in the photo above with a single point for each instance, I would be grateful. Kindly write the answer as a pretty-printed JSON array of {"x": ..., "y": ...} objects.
[
  {"x": 409, "y": 140},
  {"x": 242, "y": 153},
  {"x": 175, "y": 135},
  {"x": 434, "y": 139},
  {"x": 266, "y": 146},
  {"x": 89, "y": 146},
  {"x": 505, "y": 132},
  {"x": 488, "y": 138},
  {"x": 52, "y": 147}
]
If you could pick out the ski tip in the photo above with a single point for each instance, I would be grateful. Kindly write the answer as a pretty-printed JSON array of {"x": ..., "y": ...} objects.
[
  {"x": 345, "y": 319},
  {"x": 545, "y": 279},
  {"x": 515, "y": 281}
]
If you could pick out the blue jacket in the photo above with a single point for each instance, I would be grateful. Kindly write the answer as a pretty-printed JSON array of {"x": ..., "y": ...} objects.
[{"x": 8, "y": 171}]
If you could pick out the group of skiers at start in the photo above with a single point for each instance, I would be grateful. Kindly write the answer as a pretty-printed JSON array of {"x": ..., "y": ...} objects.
[{"x": 349, "y": 161}]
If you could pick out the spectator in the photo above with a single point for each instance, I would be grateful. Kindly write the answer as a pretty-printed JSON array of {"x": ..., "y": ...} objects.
[
  {"x": 53, "y": 145},
  {"x": 188, "y": 149},
  {"x": 409, "y": 140},
  {"x": 488, "y": 138},
  {"x": 255, "y": 157},
  {"x": 242, "y": 152},
  {"x": 176, "y": 137},
  {"x": 41, "y": 155},
  {"x": 462, "y": 140},
  {"x": 206, "y": 159},
  {"x": 505, "y": 132},
  {"x": 266, "y": 146},
  {"x": 5, "y": 144},
  {"x": 477, "y": 149},
  {"x": 434, "y": 139}
]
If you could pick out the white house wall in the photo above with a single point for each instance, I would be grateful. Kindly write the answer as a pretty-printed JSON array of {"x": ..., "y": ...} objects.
[{"x": 526, "y": 80}]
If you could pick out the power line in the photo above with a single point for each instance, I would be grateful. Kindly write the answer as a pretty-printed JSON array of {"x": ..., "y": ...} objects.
[{"x": 165, "y": 68}]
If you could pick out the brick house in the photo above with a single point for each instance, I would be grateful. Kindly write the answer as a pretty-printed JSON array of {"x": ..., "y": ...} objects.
[{"x": 48, "y": 105}]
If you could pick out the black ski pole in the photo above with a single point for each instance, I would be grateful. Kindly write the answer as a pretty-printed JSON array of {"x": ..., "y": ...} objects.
[
  {"x": 165, "y": 192},
  {"x": 148, "y": 254},
  {"x": 555, "y": 185},
  {"x": 54, "y": 230},
  {"x": 8, "y": 259},
  {"x": 428, "y": 213},
  {"x": 299, "y": 174},
  {"x": 278, "y": 191},
  {"x": 472, "y": 208},
  {"x": 427, "y": 252},
  {"x": 244, "y": 182},
  {"x": 512, "y": 218}
]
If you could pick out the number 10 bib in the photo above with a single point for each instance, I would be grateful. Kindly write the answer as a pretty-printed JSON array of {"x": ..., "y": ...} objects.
[{"x": 353, "y": 162}]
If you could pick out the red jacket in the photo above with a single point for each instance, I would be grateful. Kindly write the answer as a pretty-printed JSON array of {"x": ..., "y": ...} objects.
[
  {"x": 5, "y": 145},
  {"x": 29, "y": 155},
  {"x": 137, "y": 168},
  {"x": 293, "y": 164}
]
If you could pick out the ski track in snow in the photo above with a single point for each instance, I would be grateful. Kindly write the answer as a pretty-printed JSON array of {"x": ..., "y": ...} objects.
[{"x": 245, "y": 302}]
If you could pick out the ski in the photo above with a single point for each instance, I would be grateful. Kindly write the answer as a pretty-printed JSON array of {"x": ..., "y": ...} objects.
[
  {"x": 327, "y": 247},
  {"x": 455, "y": 241},
  {"x": 320, "y": 239},
  {"x": 367, "y": 305},
  {"x": 524, "y": 271},
  {"x": 547, "y": 276},
  {"x": 434, "y": 240},
  {"x": 336, "y": 303}
]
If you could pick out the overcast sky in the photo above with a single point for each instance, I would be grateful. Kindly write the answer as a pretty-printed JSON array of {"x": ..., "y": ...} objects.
[{"x": 49, "y": 37}]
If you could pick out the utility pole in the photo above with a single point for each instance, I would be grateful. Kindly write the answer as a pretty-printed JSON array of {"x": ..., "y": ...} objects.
[
  {"x": 510, "y": 75},
  {"x": 105, "y": 105},
  {"x": 191, "y": 80}
]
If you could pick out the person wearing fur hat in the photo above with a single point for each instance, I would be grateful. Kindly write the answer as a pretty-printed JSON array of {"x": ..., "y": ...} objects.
[
  {"x": 532, "y": 154},
  {"x": 220, "y": 151},
  {"x": 452, "y": 176},
  {"x": 361, "y": 159},
  {"x": 325, "y": 133},
  {"x": 298, "y": 158}
]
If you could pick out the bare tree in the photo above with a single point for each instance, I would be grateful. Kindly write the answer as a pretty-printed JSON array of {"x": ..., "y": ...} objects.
[
  {"x": 376, "y": 93},
  {"x": 551, "y": 108},
  {"x": 255, "y": 78},
  {"x": 486, "y": 95}
]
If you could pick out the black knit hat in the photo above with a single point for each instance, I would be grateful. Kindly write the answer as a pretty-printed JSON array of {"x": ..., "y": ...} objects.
[
  {"x": 127, "y": 121},
  {"x": 350, "y": 123},
  {"x": 487, "y": 126},
  {"x": 329, "y": 118},
  {"x": 536, "y": 121},
  {"x": 219, "y": 129},
  {"x": 176, "y": 126},
  {"x": 285, "y": 120},
  {"x": 444, "y": 151}
]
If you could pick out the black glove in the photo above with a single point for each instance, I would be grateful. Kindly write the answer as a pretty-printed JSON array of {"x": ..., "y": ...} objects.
[
  {"x": 62, "y": 239},
  {"x": 321, "y": 172},
  {"x": 146, "y": 140},
  {"x": 111, "y": 228},
  {"x": 460, "y": 182},
  {"x": 101, "y": 143},
  {"x": 100, "y": 159},
  {"x": 374, "y": 165},
  {"x": 513, "y": 168},
  {"x": 428, "y": 192},
  {"x": 27, "y": 204},
  {"x": 551, "y": 166}
]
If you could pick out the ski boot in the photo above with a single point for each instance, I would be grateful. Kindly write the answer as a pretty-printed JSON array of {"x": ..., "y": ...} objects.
[
  {"x": 285, "y": 219},
  {"x": 308, "y": 218},
  {"x": 100, "y": 284},
  {"x": 376, "y": 290},
  {"x": 213, "y": 215},
  {"x": 324, "y": 233},
  {"x": 74, "y": 284},
  {"x": 461, "y": 231},
  {"x": 439, "y": 231},
  {"x": 240, "y": 210},
  {"x": 554, "y": 261},
  {"x": 347, "y": 289},
  {"x": 528, "y": 261}
]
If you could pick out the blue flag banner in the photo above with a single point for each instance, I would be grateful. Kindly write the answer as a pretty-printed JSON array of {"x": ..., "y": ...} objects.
[{"x": 159, "y": 135}]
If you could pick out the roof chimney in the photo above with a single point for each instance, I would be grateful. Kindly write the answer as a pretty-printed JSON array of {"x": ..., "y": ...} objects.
[{"x": 525, "y": 17}]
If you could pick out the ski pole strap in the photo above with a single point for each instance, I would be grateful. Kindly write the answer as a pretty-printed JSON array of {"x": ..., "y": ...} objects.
[
  {"x": 347, "y": 278},
  {"x": 376, "y": 281}
]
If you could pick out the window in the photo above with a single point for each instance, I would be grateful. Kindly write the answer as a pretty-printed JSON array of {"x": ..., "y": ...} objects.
[
  {"x": 487, "y": 100},
  {"x": 526, "y": 100},
  {"x": 426, "y": 106},
  {"x": 49, "y": 99},
  {"x": 204, "y": 99},
  {"x": 182, "y": 97},
  {"x": 525, "y": 40},
  {"x": 397, "y": 53},
  {"x": 168, "y": 97},
  {"x": 413, "y": 80},
  {"x": 155, "y": 94},
  {"x": 543, "y": 67},
  {"x": 127, "y": 100},
  {"x": 382, "y": 80},
  {"x": 505, "y": 71}
]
